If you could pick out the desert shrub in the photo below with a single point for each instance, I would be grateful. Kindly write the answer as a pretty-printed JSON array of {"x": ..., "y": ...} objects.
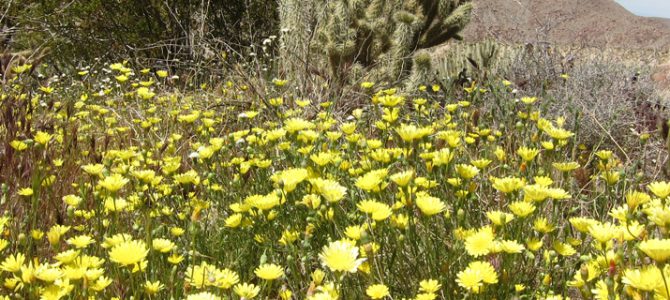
[
  {"x": 611, "y": 95},
  {"x": 168, "y": 31},
  {"x": 606, "y": 94}
]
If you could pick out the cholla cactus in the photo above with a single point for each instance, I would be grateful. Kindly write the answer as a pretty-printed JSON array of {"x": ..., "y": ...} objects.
[{"x": 382, "y": 36}]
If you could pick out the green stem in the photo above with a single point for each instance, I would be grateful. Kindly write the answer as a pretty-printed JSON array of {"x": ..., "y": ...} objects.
[{"x": 665, "y": 281}]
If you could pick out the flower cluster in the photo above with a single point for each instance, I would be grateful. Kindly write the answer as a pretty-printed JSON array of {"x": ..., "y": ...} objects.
[{"x": 137, "y": 189}]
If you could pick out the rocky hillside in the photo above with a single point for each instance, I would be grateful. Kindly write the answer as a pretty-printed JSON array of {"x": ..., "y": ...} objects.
[{"x": 590, "y": 23}]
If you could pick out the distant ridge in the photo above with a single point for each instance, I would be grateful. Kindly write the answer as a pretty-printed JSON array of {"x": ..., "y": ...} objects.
[{"x": 597, "y": 23}]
